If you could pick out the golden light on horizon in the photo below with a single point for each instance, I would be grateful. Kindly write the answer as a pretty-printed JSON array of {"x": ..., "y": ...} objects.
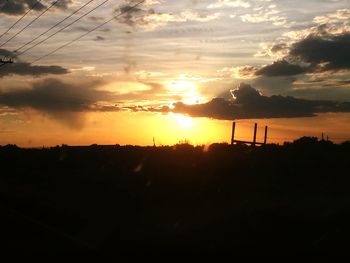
[{"x": 167, "y": 129}]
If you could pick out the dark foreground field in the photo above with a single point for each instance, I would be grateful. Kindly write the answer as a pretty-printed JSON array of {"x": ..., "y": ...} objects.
[{"x": 127, "y": 202}]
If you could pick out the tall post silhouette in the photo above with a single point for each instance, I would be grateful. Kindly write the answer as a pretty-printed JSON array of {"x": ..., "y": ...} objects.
[
  {"x": 233, "y": 132},
  {"x": 254, "y": 142},
  {"x": 255, "y": 131},
  {"x": 265, "y": 137}
]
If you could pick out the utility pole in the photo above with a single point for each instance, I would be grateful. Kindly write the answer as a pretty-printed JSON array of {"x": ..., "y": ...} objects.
[
  {"x": 233, "y": 133},
  {"x": 265, "y": 137},
  {"x": 254, "y": 142},
  {"x": 255, "y": 131},
  {"x": 6, "y": 61}
]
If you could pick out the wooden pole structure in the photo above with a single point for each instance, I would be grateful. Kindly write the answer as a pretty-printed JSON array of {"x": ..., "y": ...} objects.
[
  {"x": 252, "y": 143},
  {"x": 6, "y": 61},
  {"x": 255, "y": 131},
  {"x": 233, "y": 132},
  {"x": 265, "y": 138}
]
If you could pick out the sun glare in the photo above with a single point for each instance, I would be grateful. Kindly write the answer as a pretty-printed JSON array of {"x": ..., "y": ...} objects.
[
  {"x": 183, "y": 122},
  {"x": 186, "y": 90}
]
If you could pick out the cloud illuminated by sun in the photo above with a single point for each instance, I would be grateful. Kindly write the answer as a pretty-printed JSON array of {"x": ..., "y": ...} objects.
[{"x": 187, "y": 90}]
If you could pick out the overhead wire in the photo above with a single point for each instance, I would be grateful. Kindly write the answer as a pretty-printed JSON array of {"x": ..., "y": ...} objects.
[
  {"x": 19, "y": 20},
  {"x": 54, "y": 26},
  {"x": 30, "y": 23},
  {"x": 61, "y": 29},
  {"x": 88, "y": 32}
]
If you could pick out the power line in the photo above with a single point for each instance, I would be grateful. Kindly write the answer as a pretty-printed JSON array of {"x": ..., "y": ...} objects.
[
  {"x": 23, "y": 16},
  {"x": 63, "y": 28},
  {"x": 30, "y": 23},
  {"x": 54, "y": 26},
  {"x": 90, "y": 31}
]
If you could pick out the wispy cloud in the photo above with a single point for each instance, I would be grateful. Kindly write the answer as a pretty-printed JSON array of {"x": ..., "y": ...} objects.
[
  {"x": 338, "y": 16},
  {"x": 230, "y": 3},
  {"x": 267, "y": 14},
  {"x": 240, "y": 72},
  {"x": 150, "y": 19}
]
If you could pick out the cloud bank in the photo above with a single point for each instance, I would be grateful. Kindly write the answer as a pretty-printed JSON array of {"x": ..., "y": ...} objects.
[
  {"x": 19, "y": 7},
  {"x": 65, "y": 102},
  {"x": 62, "y": 101},
  {"x": 249, "y": 103},
  {"x": 26, "y": 69},
  {"x": 52, "y": 95},
  {"x": 321, "y": 48}
]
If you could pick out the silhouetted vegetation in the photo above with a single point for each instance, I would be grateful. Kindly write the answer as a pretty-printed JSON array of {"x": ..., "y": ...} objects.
[{"x": 126, "y": 201}]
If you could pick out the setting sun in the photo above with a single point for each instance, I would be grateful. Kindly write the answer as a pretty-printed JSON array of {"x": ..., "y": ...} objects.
[
  {"x": 186, "y": 90},
  {"x": 138, "y": 129},
  {"x": 183, "y": 121}
]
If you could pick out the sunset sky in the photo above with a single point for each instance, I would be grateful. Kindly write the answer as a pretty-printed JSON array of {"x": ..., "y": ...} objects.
[{"x": 173, "y": 70}]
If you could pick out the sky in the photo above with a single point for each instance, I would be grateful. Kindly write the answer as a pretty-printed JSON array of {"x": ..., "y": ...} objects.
[{"x": 108, "y": 71}]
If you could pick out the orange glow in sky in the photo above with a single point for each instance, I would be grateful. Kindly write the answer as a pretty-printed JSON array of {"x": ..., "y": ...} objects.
[
  {"x": 110, "y": 74},
  {"x": 167, "y": 129}
]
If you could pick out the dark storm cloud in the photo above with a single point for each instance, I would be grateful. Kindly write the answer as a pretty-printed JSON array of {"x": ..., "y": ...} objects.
[
  {"x": 7, "y": 53},
  {"x": 316, "y": 53},
  {"x": 251, "y": 104},
  {"x": 334, "y": 51},
  {"x": 25, "y": 69},
  {"x": 61, "y": 101},
  {"x": 19, "y": 7},
  {"x": 281, "y": 68},
  {"x": 52, "y": 96}
]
